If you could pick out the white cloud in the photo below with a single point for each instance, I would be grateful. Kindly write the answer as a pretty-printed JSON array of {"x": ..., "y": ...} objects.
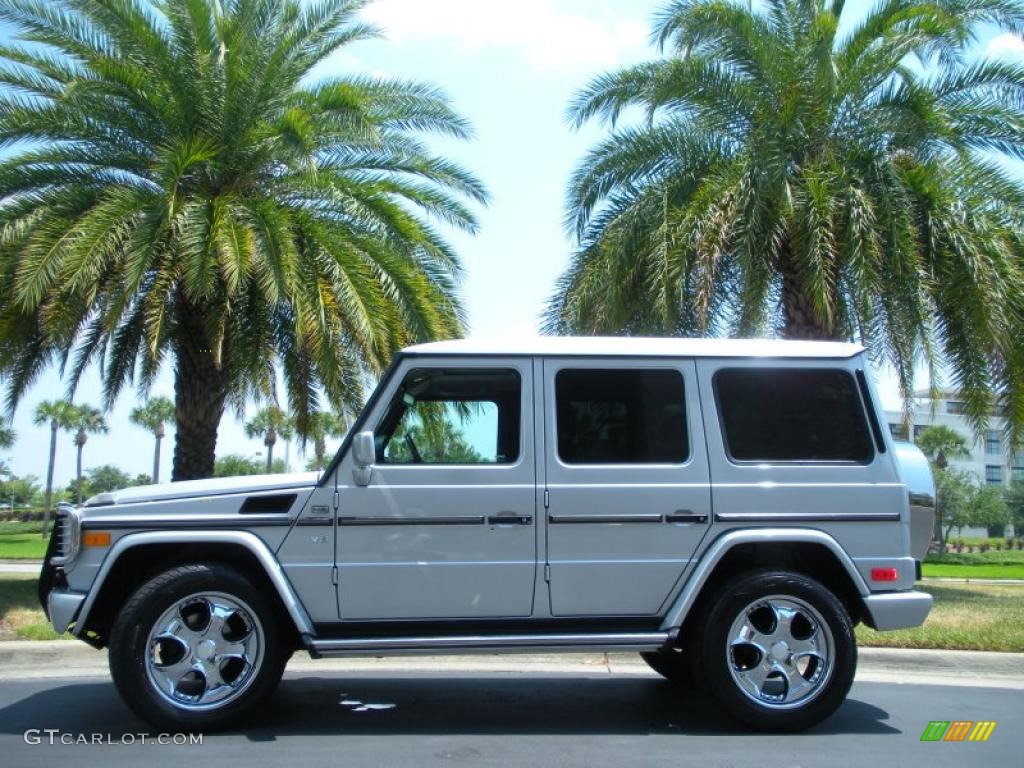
[
  {"x": 552, "y": 35},
  {"x": 1005, "y": 46}
]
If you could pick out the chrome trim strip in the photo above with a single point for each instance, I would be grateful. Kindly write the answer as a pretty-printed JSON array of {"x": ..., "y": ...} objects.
[
  {"x": 109, "y": 502},
  {"x": 248, "y": 540},
  {"x": 356, "y": 646},
  {"x": 452, "y": 520},
  {"x": 801, "y": 517},
  {"x": 149, "y": 523},
  {"x": 719, "y": 547},
  {"x": 640, "y": 517}
]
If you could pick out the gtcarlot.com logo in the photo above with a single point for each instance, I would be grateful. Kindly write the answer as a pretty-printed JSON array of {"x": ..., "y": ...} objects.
[
  {"x": 958, "y": 730},
  {"x": 56, "y": 736}
]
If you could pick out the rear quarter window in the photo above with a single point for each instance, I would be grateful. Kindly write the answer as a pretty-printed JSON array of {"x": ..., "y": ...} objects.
[{"x": 792, "y": 415}]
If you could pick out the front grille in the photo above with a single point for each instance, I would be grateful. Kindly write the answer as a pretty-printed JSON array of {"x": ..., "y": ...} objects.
[
  {"x": 59, "y": 535},
  {"x": 64, "y": 536}
]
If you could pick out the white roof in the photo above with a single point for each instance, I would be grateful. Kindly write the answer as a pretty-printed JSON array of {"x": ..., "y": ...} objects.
[{"x": 635, "y": 346}]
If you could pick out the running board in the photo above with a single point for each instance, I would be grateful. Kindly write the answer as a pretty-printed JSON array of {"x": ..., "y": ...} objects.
[{"x": 378, "y": 646}]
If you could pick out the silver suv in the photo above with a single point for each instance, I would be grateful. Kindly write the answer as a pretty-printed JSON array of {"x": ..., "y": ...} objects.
[{"x": 729, "y": 509}]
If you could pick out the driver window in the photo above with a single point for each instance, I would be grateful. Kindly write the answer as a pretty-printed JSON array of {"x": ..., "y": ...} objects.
[{"x": 452, "y": 416}]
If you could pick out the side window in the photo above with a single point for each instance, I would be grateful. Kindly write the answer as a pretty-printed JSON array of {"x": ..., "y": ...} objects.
[
  {"x": 627, "y": 416},
  {"x": 792, "y": 414},
  {"x": 452, "y": 416}
]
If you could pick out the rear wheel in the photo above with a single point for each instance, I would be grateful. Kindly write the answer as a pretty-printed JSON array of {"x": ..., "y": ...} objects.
[
  {"x": 777, "y": 650},
  {"x": 195, "y": 648}
]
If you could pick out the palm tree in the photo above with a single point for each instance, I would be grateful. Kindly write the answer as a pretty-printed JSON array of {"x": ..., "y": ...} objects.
[
  {"x": 941, "y": 443},
  {"x": 803, "y": 174},
  {"x": 268, "y": 424},
  {"x": 88, "y": 420},
  {"x": 320, "y": 426},
  {"x": 184, "y": 184},
  {"x": 152, "y": 416},
  {"x": 59, "y": 414}
]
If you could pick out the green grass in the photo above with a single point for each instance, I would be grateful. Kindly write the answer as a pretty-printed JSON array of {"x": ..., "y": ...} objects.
[
  {"x": 21, "y": 618},
  {"x": 975, "y": 617},
  {"x": 22, "y": 546},
  {"x": 1003, "y": 564},
  {"x": 982, "y": 571}
]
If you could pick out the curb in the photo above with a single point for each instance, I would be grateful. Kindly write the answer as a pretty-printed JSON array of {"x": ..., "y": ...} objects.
[{"x": 50, "y": 659}]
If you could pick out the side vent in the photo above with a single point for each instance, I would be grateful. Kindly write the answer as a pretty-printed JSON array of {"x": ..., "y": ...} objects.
[{"x": 278, "y": 503}]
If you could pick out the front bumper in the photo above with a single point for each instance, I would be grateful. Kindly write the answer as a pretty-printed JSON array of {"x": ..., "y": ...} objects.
[
  {"x": 897, "y": 610},
  {"x": 62, "y": 606}
]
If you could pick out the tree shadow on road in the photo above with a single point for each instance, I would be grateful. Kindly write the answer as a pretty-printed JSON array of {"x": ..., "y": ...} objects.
[{"x": 371, "y": 704}]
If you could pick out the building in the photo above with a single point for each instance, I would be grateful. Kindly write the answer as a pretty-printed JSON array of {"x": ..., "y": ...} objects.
[{"x": 989, "y": 460}]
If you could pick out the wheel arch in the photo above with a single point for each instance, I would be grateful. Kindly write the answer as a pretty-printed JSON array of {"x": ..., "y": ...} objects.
[
  {"x": 808, "y": 551},
  {"x": 138, "y": 556}
]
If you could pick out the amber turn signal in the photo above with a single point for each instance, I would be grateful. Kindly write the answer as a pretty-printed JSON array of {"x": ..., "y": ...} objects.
[{"x": 96, "y": 539}]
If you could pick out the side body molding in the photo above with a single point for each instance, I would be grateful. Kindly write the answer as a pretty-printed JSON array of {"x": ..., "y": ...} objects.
[
  {"x": 721, "y": 546},
  {"x": 248, "y": 540}
]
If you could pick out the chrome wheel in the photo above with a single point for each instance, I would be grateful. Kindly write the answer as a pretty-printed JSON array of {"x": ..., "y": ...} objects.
[
  {"x": 205, "y": 650},
  {"x": 780, "y": 652}
]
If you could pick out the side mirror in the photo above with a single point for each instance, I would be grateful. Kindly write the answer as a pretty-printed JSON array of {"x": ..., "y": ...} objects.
[{"x": 364, "y": 454}]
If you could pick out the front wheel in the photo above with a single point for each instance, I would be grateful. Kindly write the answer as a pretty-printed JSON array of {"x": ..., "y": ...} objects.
[
  {"x": 195, "y": 648},
  {"x": 777, "y": 650}
]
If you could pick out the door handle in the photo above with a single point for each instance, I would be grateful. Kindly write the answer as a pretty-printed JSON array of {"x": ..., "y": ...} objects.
[
  {"x": 685, "y": 516},
  {"x": 509, "y": 518}
]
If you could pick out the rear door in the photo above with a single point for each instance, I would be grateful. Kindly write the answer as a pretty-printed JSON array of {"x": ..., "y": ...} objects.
[
  {"x": 792, "y": 443},
  {"x": 626, "y": 480}
]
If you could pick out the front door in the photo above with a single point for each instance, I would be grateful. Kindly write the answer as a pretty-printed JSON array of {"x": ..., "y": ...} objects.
[
  {"x": 627, "y": 483},
  {"x": 446, "y": 526}
]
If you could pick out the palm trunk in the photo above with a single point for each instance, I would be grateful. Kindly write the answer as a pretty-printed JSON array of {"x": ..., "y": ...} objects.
[
  {"x": 49, "y": 477},
  {"x": 199, "y": 395},
  {"x": 269, "y": 442},
  {"x": 320, "y": 448},
  {"x": 78, "y": 472},
  {"x": 156, "y": 460},
  {"x": 800, "y": 318}
]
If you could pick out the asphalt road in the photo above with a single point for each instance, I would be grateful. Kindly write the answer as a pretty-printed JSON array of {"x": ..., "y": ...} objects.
[{"x": 507, "y": 719}]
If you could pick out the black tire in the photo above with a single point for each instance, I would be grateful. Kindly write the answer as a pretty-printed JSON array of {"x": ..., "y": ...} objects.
[
  {"x": 129, "y": 651},
  {"x": 673, "y": 664},
  {"x": 714, "y": 662}
]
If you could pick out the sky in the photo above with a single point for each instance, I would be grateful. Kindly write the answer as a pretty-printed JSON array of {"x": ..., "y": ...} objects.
[{"x": 510, "y": 68}]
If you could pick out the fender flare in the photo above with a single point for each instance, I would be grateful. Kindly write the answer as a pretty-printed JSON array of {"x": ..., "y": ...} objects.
[
  {"x": 249, "y": 541},
  {"x": 693, "y": 585}
]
